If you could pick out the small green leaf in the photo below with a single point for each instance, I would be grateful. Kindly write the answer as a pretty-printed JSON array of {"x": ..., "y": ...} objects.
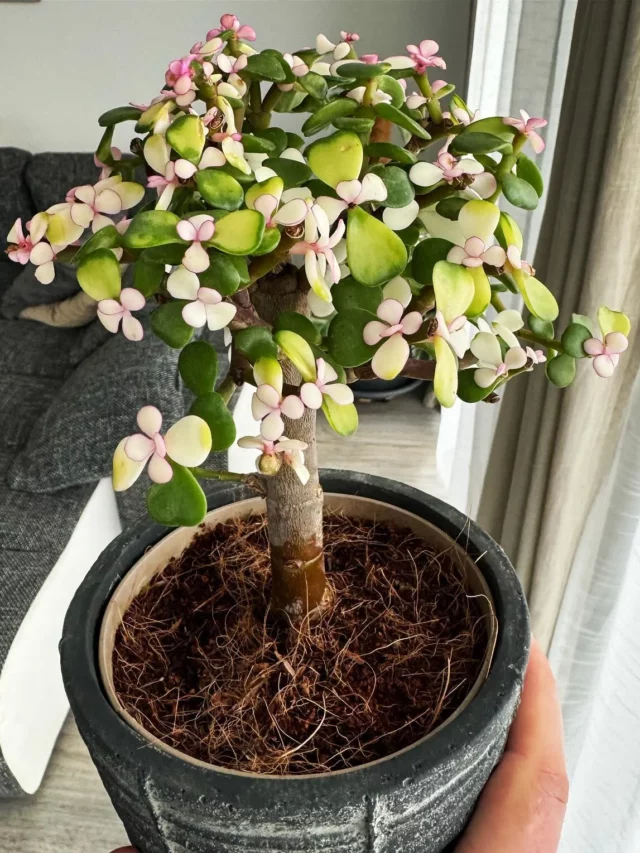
[
  {"x": 270, "y": 240},
  {"x": 272, "y": 186},
  {"x": 544, "y": 328},
  {"x": 426, "y": 255},
  {"x": 186, "y": 135},
  {"x": 561, "y": 370},
  {"x": 361, "y": 70},
  {"x": 99, "y": 275},
  {"x": 341, "y": 419},
  {"x": 257, "y": 145},
  {"x": 299, "y": 353},
  {"x": 390, "y": 151},
  {"x": 315, "y": 85},
  {"x": 298, "y": 323},
  {"x": 226, "y": 273},
  {"x": 450, "y": 207},
  {"x": 147, "y": 274},
  {"x": 277, "y": 137},
  {"x": 392, "y": 88},
  {"x": 336, "y": 158},
  {"x": 529, "y": 172},
  {"x": 155, "y": 113},
  {"x": 172, "y": 254},
  {"x": 445, "y": 380},
  {"x": 475, "y": 143},
  {"x": 255, "y": 342},
  {"x": 294, "y": 140},
  {"x": 198, "y": 366},
  {"x": 105, "y": 238},
  {"x": 400, "y": 191},
  {"x": 354, "y": 124},
  {"x": 328, "y": 113},
  {"x": 454, "y": 289},
  {"x": 345, "y": 341},
  {"x": 293, "y": 172},
  {"x": 613, "y": 321},
  {"x": 508, "y": 233},
  {"x": 168, "y": 325},
  {"x": 239, "y": 233},
  {"x": 396, "y": 116},
  {"x": 348, "y": 294},
  {"x": 519, "y": 192},
  {"x": 375, "y": 253},
  {"x": 178, "y": 503},
  {"x": 493, "y": 125},
  {"x": 469, "y": 391},
  {"x": 118, "y": 115},
  {"x": 482, "y": 292},
  {"x": 152, "y": 228},
  {"x": 212, "y": 408},
  {"x": 578, "y": 318},
  {"x": 289, "y": 102},
  {"x": 263, "y": 66},
  {"x": 103, "y": 151},
  {"x": 573, "y": 339},
  {"x": 538, "y": 298},
  {"x": 219, "y": 189}
]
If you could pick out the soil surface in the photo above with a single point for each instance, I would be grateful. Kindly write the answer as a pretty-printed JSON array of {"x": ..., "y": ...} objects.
[{"x": 200, "y": 663}]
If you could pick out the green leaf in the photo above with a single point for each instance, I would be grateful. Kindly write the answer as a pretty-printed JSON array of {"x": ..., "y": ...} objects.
[
  {"x": 289, "y": 102},
  {"x": 241, "y": 177},
  {"x": 315, "y": 85},
  {"x": 178, "y": 503},
  {"x": 257, "y": 145},
  {"x": 577, "y": 318},
  {"x": 561, "y": 370},
  {"x": 375, "y": 253},
  {"x": 475, "y": 143},
  {"x": 172, "y": 254},
  {"x": 400, "y": 191},
  {"x": 147, "y": 274},
  {"x": 327, "y": 114},
  {"x": 293, "y": 322},
  {"x": 445, "y": 380},
  {"x": 168, "y": 325},
  {"x": 482, "y": 292},
  {"x": 272, "y": 186},
  {"x": 155, "y": 113},
  {"x": 391, "y": 151},
  {"x": 226, "y": 273},
  {"x": 299, "y": 353},
  {"x": 320, "y": 353},
  {"x": 294, "y": 140},
  {"x": 613, "y": 321},
  {"x": 493, "y": 125},
  {"x": 277, "y": 137},
  {"x": 345, "y": 341},
  {"x": 393, "y": 114},
  {"x": 341, "y": 419},
  {"x": 454, "y": 289},
  {"x": 105, "y": 238},
  {"x": 538, "y": 298},
  {"x": 391, "y": 87},
  {"x": 361, "y": 70},
  {"x": 219, "y": 189},
  {"x": 118, "y": 115},
  {"x": 293, "y": 172},
  {"x": 255, "y": 342},
  {"x": 544, "y": 328},
  {"x": 186, "y": 135},
  {"x": 103, "y": 151},
  {"x": 270, "y": 240},
  {"x": 99, "y": 275},
  {"x": 507, "y": 232},
  {"x": 264, "y": 66},
  {"x": 152, "y": 228},
  {"x": 318, "y": 188},
  {"x": 348, "y": 294},
  {"x": 519, "y": 192},
  {"x": 212, "y": 408},
  {"x": 469, "y": 391},
  {"x": 239, "y": 233},
  {"x": 426, "y": 255},
  {"x": 198, "y": 366},
  {"x": 573, "y": 339},
  {"x": 336, "y": 158},
  {"x": 354, "y": 124},
  {"x": 450, "y": 207},
  {"x": 289, "y": 76},
  {"x": 529, "y": 172}
]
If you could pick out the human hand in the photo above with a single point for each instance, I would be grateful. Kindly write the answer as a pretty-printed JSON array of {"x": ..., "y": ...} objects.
[{"x": 522, "y": 806}]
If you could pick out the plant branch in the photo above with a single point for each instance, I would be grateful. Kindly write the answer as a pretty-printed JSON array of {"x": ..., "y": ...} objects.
[
  {"x": 210, "y": 474},
  {"x": 264, "y": 264},
  {"x": 433, "y": 104},
  {"x": 550, "y": 343}
]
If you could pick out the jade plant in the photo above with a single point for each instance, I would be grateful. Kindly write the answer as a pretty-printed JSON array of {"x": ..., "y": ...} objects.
[{"x": 376, "y": 248}]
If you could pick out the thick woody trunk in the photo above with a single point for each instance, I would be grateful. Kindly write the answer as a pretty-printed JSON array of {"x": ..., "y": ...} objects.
[{"x": 294, "y": 511}]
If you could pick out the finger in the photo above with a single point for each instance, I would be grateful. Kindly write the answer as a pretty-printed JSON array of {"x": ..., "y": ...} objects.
[{"x": 522, "y": 806}]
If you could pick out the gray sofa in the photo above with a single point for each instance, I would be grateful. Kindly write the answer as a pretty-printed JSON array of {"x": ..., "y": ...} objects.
[{"x": 67, "y": 396}]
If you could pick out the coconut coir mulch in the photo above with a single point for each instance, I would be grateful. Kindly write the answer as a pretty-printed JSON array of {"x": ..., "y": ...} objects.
[{"x": 200, "y": 663}]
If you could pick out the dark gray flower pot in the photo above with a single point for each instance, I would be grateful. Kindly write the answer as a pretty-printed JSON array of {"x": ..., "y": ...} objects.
[{"x": 416, "y": 801}]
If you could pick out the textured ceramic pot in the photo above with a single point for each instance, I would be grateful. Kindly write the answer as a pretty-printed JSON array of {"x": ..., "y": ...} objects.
[{"x": 415, "y": 801}]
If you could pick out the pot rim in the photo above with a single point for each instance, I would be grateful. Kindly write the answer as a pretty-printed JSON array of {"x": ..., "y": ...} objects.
[
  {"x": 469, "y": 733},
  {"x": 155, "y": 559}
]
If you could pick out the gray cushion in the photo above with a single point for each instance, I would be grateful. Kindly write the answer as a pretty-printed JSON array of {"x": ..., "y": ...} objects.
[
  {"x": 49, "y": 176},
  {"x": 15, "y": 200},
  {"x": 26, "y": 290},
  {"x": 32, "y": 349}
]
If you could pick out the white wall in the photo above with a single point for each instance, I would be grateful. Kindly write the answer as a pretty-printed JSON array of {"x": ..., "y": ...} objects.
[{"x": 63, "y": 63}]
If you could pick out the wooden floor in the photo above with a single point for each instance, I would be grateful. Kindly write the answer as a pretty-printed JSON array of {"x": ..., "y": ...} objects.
[{"x": 72, "y": 813}]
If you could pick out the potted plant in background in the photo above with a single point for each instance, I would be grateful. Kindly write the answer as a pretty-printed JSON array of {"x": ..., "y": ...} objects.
[{"x": 269, "y": 680}]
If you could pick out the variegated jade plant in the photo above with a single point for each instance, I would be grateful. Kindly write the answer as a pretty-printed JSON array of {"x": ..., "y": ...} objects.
[{"x": 324, "y": 262}]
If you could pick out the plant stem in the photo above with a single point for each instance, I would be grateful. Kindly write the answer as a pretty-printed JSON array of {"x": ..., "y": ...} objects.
[
  {"x": 507, "y": 163},
  {"x": 549, "y": 343},
  {"x": 271, "y": 99},
  {"x": 209, "y": 474},
  {"x": 264, "y": 264},
  {"x": 227, "y": 387},
  {"x": 438, "y": 194},
  {"x": 433, "y": 104}
]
